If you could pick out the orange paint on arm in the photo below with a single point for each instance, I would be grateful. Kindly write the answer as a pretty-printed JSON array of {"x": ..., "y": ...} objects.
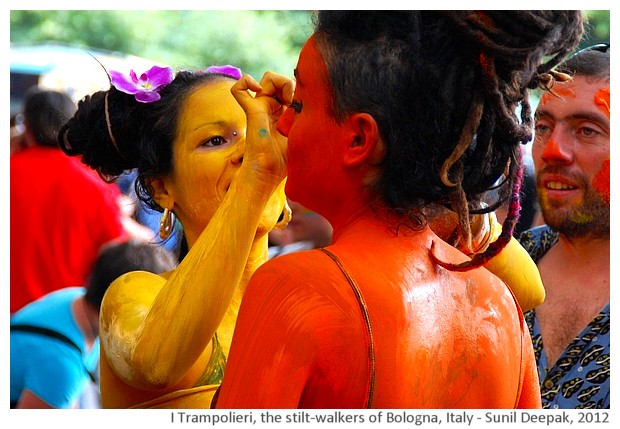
[{"x": 601, "y": 180}]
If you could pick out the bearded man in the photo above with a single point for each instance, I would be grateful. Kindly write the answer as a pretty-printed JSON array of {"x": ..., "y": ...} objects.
[{"x": 570, "y": 330}]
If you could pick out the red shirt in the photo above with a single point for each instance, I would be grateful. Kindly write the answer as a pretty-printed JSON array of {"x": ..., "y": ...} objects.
[{"x": 61, "y": 214}]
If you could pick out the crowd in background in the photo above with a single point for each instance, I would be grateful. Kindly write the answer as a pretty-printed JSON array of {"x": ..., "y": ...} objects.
[{"x": 74, "y": 230}]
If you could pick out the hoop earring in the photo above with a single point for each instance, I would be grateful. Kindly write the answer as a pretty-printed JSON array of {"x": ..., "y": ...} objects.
[
  {"x": 287, "y": 215},
  {"x": 165, "y": 224}
]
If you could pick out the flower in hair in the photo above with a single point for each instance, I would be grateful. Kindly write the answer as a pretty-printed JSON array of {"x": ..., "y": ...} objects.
[
  {"x": 146, "y": 87},
  {"x": 229, "y": 70}
]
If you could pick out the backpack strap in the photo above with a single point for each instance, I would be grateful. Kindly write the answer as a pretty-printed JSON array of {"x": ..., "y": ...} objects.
[{"x": 52, "y": 334}]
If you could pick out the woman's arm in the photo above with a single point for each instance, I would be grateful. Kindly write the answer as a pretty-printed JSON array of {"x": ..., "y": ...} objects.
[{"x": 154, "y": 344}]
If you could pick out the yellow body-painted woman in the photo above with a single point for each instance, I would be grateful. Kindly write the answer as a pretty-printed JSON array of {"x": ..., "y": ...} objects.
[{"x": 164, "y": 338}]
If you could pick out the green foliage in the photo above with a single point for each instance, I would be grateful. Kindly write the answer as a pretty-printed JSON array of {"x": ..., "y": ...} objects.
[
  {"x": 96, "y": 29},
  {"x": 255, "y": 41},
  {"x": 597, "y": 28}
]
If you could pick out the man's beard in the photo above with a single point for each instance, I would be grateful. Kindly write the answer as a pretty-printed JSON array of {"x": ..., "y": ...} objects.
[{"x": 589, "y": 218}]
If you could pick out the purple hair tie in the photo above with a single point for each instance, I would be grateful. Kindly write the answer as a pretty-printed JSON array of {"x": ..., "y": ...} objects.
[{"x": 228, "y": 70}]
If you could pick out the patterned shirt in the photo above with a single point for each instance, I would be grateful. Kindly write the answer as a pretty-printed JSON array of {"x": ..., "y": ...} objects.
[{"x": 580, "y": 377}]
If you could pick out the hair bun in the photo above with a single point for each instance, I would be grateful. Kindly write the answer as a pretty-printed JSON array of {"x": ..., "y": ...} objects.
[{"x": 87, "y": 134}]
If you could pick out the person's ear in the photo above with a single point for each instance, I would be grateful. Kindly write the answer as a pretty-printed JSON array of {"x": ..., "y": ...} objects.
[
  {"x": 161, "y": 193},
  {"x": 365, "y": 145}
]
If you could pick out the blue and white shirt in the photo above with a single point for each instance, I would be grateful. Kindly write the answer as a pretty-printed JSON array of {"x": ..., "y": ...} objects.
[{"x": 580, "y": 377}]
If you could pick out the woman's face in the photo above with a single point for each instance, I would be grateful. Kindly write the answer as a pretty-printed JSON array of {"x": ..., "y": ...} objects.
[
  {"x": 314, "y": 137},
  {"x": 207, "y": 155}
]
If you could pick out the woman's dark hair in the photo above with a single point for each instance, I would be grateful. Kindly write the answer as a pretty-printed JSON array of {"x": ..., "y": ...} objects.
[
  {"x": 123, "y": 257},
  {"x": 45, "y": 112},
  {"x": 449, "y": 91},
  {"x": 143, "y": 132}
]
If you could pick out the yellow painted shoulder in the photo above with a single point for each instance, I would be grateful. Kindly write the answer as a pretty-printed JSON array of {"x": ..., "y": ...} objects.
[
  {"x": 517, "y": 269},
  {"x": 121, "y": 319}
]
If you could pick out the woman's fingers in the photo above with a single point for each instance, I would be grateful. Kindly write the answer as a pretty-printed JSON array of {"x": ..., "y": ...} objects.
[
  {"x": 240, "y": 90},
  {"x": 273, "y": 92},
  {"x": 278, "y": 86},
  {"x": 263, "y": 143}
]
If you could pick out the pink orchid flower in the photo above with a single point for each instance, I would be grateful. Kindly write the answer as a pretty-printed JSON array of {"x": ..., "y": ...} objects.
[{"x": 145, "y": 88}]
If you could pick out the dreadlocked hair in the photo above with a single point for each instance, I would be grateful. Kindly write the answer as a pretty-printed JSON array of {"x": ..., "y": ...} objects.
[
  {"x": 511, "y": 62},
  {"x": 449, "y": 91}
]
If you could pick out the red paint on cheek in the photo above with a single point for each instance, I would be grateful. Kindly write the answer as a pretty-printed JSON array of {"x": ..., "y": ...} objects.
[
  {"x": 601, "y": 181},
  {"x": 601, "y": 100},
  {"x": 285, "y": 122}
]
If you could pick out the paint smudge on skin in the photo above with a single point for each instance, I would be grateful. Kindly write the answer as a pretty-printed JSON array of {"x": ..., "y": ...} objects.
[
  {"x": 561, "y": 92},
  {"x": 263, "y": 133},
  {"x": 601, "y": 100},
  {"x": 582, "y": 218},
  {"x": 601, "y": 181}
]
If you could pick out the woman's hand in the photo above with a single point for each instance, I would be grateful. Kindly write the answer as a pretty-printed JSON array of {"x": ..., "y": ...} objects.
[{"x": 265, "y": 151}]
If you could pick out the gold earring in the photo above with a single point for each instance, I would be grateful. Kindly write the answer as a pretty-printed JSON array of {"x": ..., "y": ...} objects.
[
  {"x": 165, "y": 224},
  {"x": 287, "y": 215}
]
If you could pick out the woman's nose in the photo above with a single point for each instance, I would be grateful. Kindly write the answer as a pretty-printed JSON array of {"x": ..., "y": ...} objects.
[{"x": 237, "y": 156}]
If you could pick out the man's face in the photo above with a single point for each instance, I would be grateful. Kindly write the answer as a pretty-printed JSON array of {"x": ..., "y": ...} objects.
[{"x": 571, "y": 157}]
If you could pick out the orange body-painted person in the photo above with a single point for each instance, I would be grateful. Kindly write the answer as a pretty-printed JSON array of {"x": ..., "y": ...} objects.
[
  {"x": 165, "y": 338},
  {"x": 394, "y": 120}
]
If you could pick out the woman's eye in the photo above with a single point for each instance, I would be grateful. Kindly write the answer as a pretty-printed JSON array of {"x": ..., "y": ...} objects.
[
  {"x": 296, "y": 106},
  {"x": 214, "y": 141}
]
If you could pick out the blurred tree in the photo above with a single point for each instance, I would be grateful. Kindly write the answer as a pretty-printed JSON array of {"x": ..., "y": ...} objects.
[
  {"x": 597, "y": 28},
  {"x": 255, "y": 41},
  {"x": 96, "y": 29}
]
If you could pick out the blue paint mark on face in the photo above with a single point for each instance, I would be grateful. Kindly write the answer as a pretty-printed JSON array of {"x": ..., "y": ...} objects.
[{"x": 262, "y": 133}]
